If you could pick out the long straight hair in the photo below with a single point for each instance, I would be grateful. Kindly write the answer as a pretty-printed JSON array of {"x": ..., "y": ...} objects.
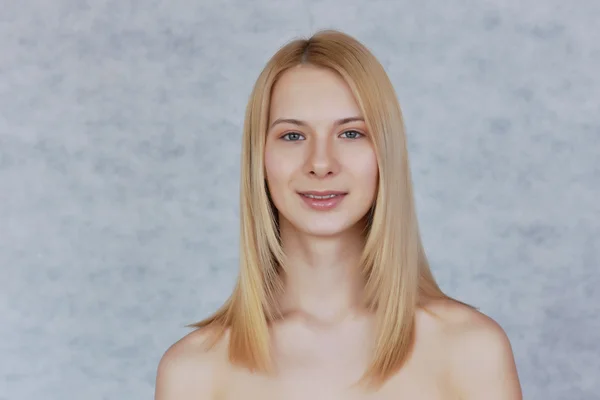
[{"x": 396, "y": 272}]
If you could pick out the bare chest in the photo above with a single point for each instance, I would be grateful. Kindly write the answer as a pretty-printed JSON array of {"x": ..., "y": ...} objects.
[
  {"x": 333, "y": 374},
  {"x": 327, "y": 367},
  {"x": 333, "y": 385}
]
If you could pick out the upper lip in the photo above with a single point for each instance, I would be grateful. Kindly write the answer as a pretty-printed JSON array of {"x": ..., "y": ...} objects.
[{"x": 323, "y": 193}]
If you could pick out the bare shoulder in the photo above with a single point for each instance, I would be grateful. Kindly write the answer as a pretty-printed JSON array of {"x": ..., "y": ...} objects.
[
  {"x": 480, "y": 356},
  {"x": 189, "y": 369}
]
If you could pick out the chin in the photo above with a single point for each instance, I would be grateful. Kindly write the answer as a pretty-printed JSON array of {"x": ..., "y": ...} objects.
[
  {"x": 342, "y": 221},
  {"x": 322, "y": 232},
  {"x": 323, "y": 227}
]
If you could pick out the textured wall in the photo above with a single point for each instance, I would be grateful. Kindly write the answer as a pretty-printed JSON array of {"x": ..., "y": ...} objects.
[{"x": 120, "y": 126}]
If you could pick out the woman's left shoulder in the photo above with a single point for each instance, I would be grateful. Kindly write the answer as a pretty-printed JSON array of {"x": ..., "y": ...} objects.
[
  {"x": 479, "y": 352},
  {"x": 464, "y": 325}
]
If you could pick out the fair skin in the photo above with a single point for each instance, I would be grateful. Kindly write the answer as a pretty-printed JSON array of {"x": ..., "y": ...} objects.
[{"x": 322, "y": 344}]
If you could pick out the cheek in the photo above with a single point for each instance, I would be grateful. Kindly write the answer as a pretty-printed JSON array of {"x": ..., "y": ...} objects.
[
  {"x": 270, "y": 173},
  {"x": 373, "y": 171},
  {"x": 276, "y": 171},
  {"x": 371, "y": 181},
  {"x": 364, "y": 168}
]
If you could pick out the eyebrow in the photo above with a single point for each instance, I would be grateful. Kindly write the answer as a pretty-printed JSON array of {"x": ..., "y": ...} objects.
[{"x": 298, "y": 122}]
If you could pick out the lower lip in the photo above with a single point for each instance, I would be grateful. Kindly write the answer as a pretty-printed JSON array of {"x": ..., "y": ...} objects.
[{"x": 323, "y": 204}]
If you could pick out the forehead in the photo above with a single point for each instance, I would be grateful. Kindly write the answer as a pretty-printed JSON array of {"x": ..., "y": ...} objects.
[{"x": 312, "y": 94}]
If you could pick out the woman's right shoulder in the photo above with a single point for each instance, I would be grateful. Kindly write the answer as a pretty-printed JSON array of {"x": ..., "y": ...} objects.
[{"x": 190, "y": 368}]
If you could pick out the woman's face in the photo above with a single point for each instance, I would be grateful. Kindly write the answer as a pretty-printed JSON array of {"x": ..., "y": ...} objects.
[{"x": 320, "y": 162}]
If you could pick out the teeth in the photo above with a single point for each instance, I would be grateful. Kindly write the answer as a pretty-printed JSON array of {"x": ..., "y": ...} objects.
[{"x": 312, "y": 196}]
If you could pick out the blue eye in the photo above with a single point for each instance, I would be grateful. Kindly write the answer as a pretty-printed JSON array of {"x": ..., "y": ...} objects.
[
  {"x": 292, "y": 137},
  {"x": 351, "y": 134}
]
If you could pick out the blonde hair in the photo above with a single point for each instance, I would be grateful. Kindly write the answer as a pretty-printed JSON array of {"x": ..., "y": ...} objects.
[{"x": 397, "y": 274}]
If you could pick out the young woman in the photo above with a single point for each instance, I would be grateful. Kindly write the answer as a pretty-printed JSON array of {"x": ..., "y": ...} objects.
[{"x": 335, "y": 298}]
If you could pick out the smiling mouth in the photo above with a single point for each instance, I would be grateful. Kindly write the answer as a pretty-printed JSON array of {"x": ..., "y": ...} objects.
[
  {"x": 323, "y": 201},
  {"x": 329, "y": 196},
  {"x": 322, "y": 195}
]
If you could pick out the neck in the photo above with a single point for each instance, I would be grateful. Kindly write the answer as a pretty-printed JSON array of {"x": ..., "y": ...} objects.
[{"x": 323, "y": 279}]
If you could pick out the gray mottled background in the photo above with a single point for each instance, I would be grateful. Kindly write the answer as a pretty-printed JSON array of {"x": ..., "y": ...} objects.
[{"x": 120, "y": 127}]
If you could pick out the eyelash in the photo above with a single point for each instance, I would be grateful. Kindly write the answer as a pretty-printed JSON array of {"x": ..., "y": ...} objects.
[{"x": 297, "y": 133}]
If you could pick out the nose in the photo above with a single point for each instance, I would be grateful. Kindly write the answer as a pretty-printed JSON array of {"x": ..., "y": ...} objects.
[{"x": 322, "y": 160}]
